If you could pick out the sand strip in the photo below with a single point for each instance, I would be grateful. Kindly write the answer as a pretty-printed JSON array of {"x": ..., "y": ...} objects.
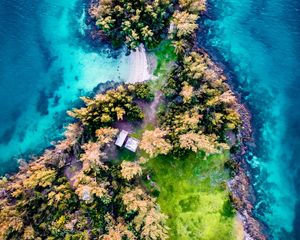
[{"x": 138, "y": 66}]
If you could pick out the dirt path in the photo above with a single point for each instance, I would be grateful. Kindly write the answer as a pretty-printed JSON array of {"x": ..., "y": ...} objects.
[{"x": 150, "y": 109}]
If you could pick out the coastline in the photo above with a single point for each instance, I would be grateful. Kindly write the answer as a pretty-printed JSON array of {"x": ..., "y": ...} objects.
[
  {"x": 243, "y": 195},
  {"x": 64, "y": 70},
  {"x": 240, "y": 186}
]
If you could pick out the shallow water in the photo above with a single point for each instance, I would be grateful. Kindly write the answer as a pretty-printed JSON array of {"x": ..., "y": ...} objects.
[
  {"x": 45, "y": 65},
  {"x": 258, "y": 41}
]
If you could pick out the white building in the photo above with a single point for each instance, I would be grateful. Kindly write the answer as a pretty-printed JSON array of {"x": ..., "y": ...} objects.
[
  {"x": 121, "y": 138},
  {"x": 132, "y": 144}
]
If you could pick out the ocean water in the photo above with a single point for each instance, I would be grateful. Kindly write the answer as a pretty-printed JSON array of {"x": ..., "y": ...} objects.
[
  {"x": 258, "y": 42},
  {"x": 46, "y": 63}
]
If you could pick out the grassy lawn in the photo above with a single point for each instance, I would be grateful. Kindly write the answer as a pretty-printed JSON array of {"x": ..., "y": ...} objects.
[
  {"x": 194, "y": 196},
  {"x": 164, "y": 54},
  {"x": 165, "y": 57}
]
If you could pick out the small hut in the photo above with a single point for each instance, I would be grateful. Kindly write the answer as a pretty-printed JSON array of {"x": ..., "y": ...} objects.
[
  {"x": 132, "y": 144},
  {"x": 121, "y": 138}
]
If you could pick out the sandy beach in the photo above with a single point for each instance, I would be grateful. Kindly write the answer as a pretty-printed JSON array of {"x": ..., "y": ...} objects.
[{"x": 138, "y": 66}]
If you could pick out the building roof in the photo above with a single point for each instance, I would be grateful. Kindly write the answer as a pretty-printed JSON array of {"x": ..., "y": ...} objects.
[
  {"x": 121, "y": 138},
  {"x": 132, "y": 144}
]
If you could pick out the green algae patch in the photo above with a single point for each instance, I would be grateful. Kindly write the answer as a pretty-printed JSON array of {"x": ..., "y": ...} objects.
[{"x": 192, "y": 192}]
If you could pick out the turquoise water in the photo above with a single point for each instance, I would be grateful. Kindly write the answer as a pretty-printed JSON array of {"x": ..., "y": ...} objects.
[
  {"x": 258, "y": 41},
  {"x": 45, "y": 65}
]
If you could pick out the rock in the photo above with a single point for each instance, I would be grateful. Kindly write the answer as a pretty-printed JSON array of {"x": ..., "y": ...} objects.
[{"x": 240, "y": 186}]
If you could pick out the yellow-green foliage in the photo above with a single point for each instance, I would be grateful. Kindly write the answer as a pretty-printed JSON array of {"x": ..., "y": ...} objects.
[
  {"x": 193, "y": 5},
  {"x": 200, "y": 100},
  {"x": 104, "y": 109},
  {"x": 141, "y": 91},
  {"x": 153, "y": 142},
  {"x": 132, "y": 22},
  {"x": 184, "y": 24},
  {"x": 193, "y": 194}
]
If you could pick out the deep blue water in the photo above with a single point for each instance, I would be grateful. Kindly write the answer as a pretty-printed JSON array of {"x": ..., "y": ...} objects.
[
  {"x": 45, "y": 65},
  {"x": 258, "y": 41}
]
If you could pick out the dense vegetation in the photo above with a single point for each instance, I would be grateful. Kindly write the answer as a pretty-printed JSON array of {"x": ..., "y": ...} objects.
[
  {"x": 136, "y": 22},
  {"x": 72, "y": 192},
  {"x": 201, "y": 108},
  {"x": 132, "y": 22},
  {"x": 86, "y": 188},
  {"x": 108, "y": 108}
]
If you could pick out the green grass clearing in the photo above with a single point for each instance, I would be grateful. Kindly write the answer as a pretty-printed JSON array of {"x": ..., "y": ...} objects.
[
  {"x": 165, "y": 55},
  {"x": 194, "y": 196}
]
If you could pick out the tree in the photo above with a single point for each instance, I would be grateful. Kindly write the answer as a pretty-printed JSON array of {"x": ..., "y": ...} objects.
[
  {"x": 87, "y": 186},
  {"x": 28, "y": 233},
  {"x": 187, "y": 121},
  {"x": 114, "y": 105},
  {"x": 194, "y": 66},
  {"x": 187, "y": 92},
  {"x": 91, "y": 157},
  {"x": 136, "y": 200},
  {"x": 194, "y": 6},
  {"x": 185, "y": 23},
  {"x": 60, "y": 195},
  {"x": 154, "y": 226},
  {"x": 131, "y": 22},
  {"x": 10, "y": 219},
  {"x": 227, "y": 98},
  {"x": 147, "y": 33},
  {"x": 232, "y": 119},
  {"x": 42, "y": 177},
  {"x": 106, "y": 135},
  {"x": 149, "y": 221},
  {"x": 153, "y": 142},
  {"x": 117, "y": 229},
  {"x": 196, "y": 142},
  {"x": 130, "y": 169},
  {"x": 73, "y": 132},
  {"x": 141, "y": 91},
  {"x": 179, "y": 46}
]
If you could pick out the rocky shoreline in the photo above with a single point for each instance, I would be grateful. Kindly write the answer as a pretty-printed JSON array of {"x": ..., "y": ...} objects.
[{"x": 242, "y": 194}]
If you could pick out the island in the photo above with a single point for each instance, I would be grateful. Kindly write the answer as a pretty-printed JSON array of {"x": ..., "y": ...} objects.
[{"x": 146, "y": 159}]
